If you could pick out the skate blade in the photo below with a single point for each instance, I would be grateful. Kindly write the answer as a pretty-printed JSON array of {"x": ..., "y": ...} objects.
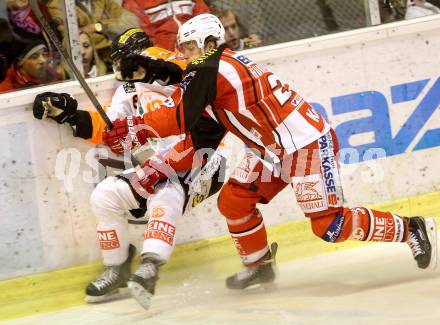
[
  {"x": 138, "y": 292},
  {"x": 431, "y": 228},
  {"x": 271, "y": 286},
  {"x": 256, "y": 287},
  {"x": 120, "y": 293}
]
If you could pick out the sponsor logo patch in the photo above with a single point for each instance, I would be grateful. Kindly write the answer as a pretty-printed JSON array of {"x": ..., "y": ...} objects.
[
  {"x": 243, "y": 59},
  {"x": 297, "y": 100},
  {"x": 244, "y": 172},
  {"x": 187, "y": 80},
  {"x": 129, "y": 87},
  {"x": 329, "y": 171},
  {"x": 358, "y": 234},
  {"x": 309, "y": 193},
  {"x": 241, "y": 251},
  {"x": 334, "y": 230},
  {"x": 305, "y": 192},
  {"x": 157, "y": 213},
  {"x": 384, "y": 229},
  {"x": 108, "y": 239},
  {"x": 160, "y": 230}
]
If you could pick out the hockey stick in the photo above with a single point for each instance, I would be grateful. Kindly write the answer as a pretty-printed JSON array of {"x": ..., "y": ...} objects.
[{"x": 66, "y": 56}]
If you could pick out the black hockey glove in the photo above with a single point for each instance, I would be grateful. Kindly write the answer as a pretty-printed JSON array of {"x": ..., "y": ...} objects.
[
  {"x": 59, "y": 107},
  {"x": 145, "y": 69}
]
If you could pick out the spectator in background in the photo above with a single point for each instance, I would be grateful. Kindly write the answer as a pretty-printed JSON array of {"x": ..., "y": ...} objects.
[
  {"x": 32, "y": 67},
  {"x": 6, "y": 42},
  {"x": 389, "y": 12},
  {"x": 234, "y": 37},
  {"x": 4, "y": 60},
  {"x": 17, "y": 24},
  {"x": 327, "y": 15},
  {"x": 103, "y": 20},
  {"x": 22, "y": 21},
  {"x": 161, "y": 19},
  {"x": 93, "y": 66},
  {"x": 392, "y": 10}
]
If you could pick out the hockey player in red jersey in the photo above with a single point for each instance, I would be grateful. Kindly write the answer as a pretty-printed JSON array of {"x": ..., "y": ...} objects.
[
  {"x": 116, "y": 196},
  {"x": 291, "y": 143}
]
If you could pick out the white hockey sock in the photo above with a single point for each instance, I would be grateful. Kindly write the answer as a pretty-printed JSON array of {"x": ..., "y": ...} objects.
[
  {"x": 113, "y": 240},
  {"x": 110, "y": 200},
  {"x": 164, "y": 208}
]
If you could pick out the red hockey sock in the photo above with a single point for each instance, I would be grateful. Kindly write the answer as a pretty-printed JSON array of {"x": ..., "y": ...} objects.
[
  {"x": 360, "y": 224},
  {"x": 249, "y": 236},
  {"x": 373, "y": 225}
]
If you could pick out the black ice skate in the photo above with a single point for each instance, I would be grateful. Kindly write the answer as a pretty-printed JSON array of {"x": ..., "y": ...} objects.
[
  {"x": 261, "y": 274},
  {"x": 142, "y": 283},
  {"x": 422, "y": 239},
  {"x": 112, "y": 283}
]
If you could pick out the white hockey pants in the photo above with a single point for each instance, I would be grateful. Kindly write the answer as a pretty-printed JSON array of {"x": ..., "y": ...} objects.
[{"x": 112, "y": 199}]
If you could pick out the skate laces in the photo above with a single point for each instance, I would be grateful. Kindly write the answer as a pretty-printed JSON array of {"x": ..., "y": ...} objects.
[
  {"x": 107, "y": 278},
  {"x": 246, "y": 273},
  {"x": 414, "y": 244},
  {"x": 249, "y": 271},
  {"x": 146, "y": 270}
]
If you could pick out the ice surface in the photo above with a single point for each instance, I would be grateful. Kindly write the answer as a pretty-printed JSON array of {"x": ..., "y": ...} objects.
[{"x": 376, "y": 284}]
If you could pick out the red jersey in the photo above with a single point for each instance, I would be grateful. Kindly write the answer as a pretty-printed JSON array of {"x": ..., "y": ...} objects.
[
  {"x": 240, "y": 97},
  {"x": 161, "y": 19}
]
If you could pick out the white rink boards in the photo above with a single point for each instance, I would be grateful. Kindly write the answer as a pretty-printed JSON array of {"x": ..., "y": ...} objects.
[
  {"x": 372, "y": 82},
  {"x": 374, "y": 285}
]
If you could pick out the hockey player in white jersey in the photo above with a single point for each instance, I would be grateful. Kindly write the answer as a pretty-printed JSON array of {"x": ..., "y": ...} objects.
[{"x": 115, "y": 196}]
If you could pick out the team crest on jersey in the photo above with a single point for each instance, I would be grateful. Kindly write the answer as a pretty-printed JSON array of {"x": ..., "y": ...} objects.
[
  {"x": 129, "y": 87},
  {"x": 187, "y": 80}
]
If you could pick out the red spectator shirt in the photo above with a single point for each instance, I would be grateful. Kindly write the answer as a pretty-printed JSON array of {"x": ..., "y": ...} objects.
[
  {"x": 226, "y": 87},
  {"x": 16, "y": 80},
  {"x": 161, "y": 19}
]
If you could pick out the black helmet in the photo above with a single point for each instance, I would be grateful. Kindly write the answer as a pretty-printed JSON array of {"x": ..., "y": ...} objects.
[{"x": 132, "y": 41}]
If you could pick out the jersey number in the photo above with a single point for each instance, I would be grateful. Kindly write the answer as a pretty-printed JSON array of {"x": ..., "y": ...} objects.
[{"x": 282, "y": 95}]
